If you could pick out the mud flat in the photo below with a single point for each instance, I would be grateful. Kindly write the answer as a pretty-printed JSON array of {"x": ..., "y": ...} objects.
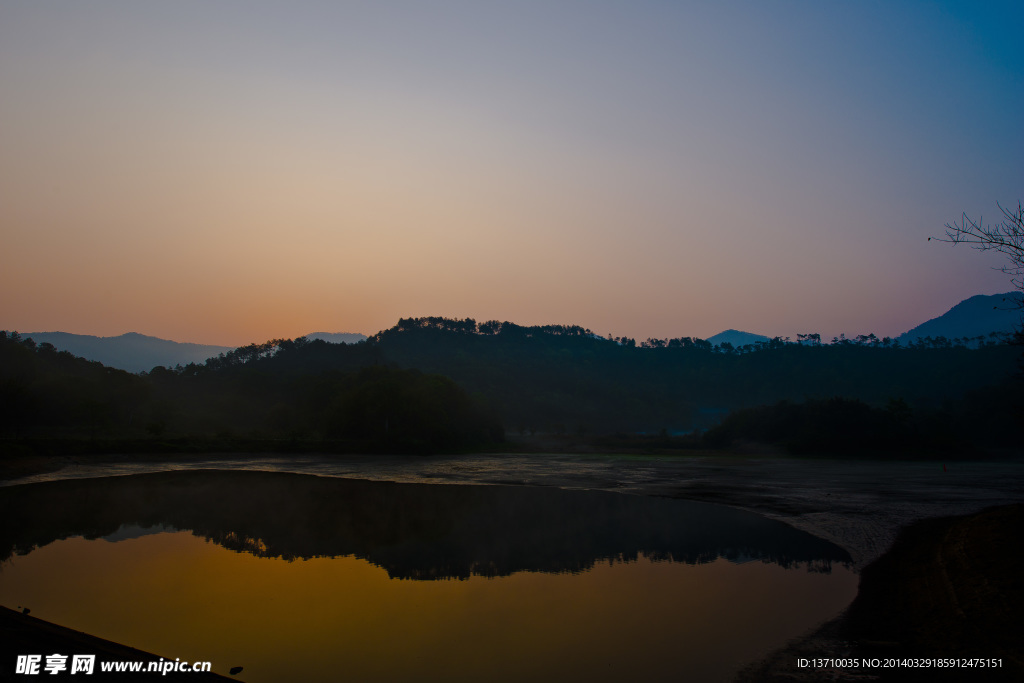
[{"x": 858, "y": 504}]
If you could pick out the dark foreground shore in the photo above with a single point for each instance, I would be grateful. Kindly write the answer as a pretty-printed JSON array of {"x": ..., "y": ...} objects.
[
  {"x": 949, "y": 589},
  {"x": 23, "y": 634}
]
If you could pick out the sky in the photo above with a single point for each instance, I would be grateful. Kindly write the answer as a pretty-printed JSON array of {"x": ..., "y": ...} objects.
[{"x": 231, "y": 172}]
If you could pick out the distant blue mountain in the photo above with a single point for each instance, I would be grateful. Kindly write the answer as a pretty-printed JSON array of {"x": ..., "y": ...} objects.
[
  {"x": 133, "y": 352},
  {"x": 136, "y": 352},
  {"x": 736, "y": 338},
  {"x": 979, "y": 315}
]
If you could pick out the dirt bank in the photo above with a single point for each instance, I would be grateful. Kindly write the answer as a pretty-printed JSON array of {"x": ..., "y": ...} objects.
[{"x": 948, "y": 592}]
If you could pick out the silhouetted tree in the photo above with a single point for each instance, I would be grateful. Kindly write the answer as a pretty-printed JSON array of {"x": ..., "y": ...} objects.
[{"x": 1005, "y": 237}]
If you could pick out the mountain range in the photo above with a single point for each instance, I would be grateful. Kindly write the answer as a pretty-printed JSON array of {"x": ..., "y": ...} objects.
[
  {"x": 979, "y": 315},
  {"x": 136, "y": 352},
  {"x": 133, "y": 352},
  {"x": 736, "y": 338}
]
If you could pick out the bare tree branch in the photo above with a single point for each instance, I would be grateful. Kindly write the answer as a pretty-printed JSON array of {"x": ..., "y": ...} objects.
[{"x": 1005, "y": 237}]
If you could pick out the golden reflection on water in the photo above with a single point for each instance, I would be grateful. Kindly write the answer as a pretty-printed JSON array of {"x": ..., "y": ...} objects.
[{"x": 328, "y": 619}]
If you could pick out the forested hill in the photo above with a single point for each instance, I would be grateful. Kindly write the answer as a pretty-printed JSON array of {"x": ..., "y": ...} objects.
[
  {"x": 566, "y": 379},
  {"x": 433, "y": 382},
  {"x": 282, "y": 395},
  {"x": 555, "y": 378}
]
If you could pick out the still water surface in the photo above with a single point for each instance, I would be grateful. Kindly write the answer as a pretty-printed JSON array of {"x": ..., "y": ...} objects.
[{"x": 308, "y": 578}]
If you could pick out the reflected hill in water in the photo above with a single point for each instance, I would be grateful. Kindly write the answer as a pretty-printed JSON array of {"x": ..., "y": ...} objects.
[{"x": 414, "y": 531}]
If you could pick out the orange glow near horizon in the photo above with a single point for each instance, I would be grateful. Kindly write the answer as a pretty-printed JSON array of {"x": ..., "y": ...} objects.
[{"x": 210, "y": 175}]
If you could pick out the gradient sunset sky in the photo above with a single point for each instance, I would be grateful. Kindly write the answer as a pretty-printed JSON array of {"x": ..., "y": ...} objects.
[{"x": 229, "y": 172}]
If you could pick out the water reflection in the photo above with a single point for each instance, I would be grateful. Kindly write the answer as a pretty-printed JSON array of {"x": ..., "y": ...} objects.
[
  {"x": 413, "y": 531},
  {"x": 183, "y": 564}
]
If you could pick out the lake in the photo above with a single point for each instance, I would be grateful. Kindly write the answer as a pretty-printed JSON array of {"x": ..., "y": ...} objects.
[{"x": 300, "y": 577}]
